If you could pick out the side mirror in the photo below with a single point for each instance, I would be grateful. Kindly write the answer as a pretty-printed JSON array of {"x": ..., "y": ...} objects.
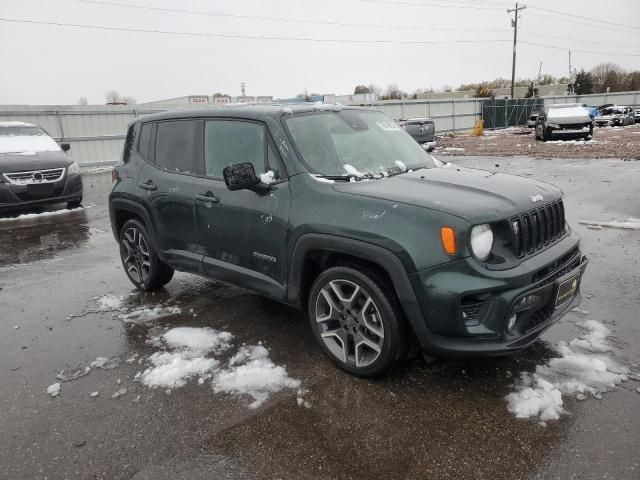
[
  {"x": 240, "y": 177},
  {"x": 65, "y": 147}
]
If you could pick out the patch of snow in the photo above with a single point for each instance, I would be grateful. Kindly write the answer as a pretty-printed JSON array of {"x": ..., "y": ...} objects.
[
  {"x": 110, "y": 302},
  {"x": 119, "y": 393},
  {"x": 173, "y": 369},
  {"x": 571, "y": 142},
  {"x": 351, "y": 170},
  {"x": 28, "y": 143},
  {"x": 267, "y": 177},
  {"x": 143, "y": 315},
  {"x": 287, "y": 111},
  {"x": 252, "y": 373},
  {"x": 577, "y": 371},
  {"x": 628, "y": 224},
  {"x": 53, "y": 390},
  {"x": 401, "y": 165},
  {"x": 26, "y": 216},
  {"x": 104, "y": 363},
  {"x": 16, "y": 124},
  {"x": 197, "y": 339},
  {"x": 454, "y": 149},
  {"x": 94, "y": 394}
]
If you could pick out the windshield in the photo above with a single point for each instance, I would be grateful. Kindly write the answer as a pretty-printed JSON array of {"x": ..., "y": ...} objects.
[
  {"x": 355, "y": 143},
  {"x": 25, "y": 139}
]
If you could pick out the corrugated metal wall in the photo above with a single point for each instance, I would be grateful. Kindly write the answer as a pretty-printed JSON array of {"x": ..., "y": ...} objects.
[{"x": 96, "y": 133}]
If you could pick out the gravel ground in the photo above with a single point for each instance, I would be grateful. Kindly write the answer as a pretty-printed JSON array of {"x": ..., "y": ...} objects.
[{"x": 607, "y": 142}]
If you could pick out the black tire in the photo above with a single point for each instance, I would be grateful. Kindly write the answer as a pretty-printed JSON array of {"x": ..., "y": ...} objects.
[
  {"x": 144, "y": 269},
  {"x": 546, "y": 135},
  {"x": 384, "y": 314},
  {"x": 74, "y": 203}
]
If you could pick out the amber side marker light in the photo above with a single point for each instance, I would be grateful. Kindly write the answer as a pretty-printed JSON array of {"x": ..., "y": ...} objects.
[
  {"x": 448, "y": 237},
  {"x": 114, "y": 176}
]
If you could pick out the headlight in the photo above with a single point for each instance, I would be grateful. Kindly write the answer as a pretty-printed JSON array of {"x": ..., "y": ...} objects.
[
  {"x": 554, "y": 125},
  {"x": 481, "y": 241},
  {"x": 74, "y": 168}
]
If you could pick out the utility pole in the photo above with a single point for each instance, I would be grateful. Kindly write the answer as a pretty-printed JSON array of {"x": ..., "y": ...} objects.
[{"x": 514, "y": 24}]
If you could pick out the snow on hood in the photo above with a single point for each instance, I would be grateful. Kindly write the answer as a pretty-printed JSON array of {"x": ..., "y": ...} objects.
[
  {"x": 567, "y": 112},
  {"x": 27, "y": 143}
]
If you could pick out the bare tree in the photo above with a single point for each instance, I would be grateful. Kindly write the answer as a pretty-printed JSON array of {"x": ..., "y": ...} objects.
[
  {"x": 393, "y": 92},
  {"x": 83, "y": 101},
  {"x": 129, "y": 100},
  {"x": 609, "y": 75},
  {"x": 375, "y": 89},
  {"x": 112, "y": 96}
]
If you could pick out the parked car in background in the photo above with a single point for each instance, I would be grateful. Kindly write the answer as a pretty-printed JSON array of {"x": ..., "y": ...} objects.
[
  {"x": 615, "y": 116},
  {"x": 337, "y": 211},
  {"x": 531, "y": 123},
  {"x": 422, "y": 130},
  {"x": 636, "y": 115},
  {"x": 34, "y": 169},
  {"x": 562, "y": 121}
]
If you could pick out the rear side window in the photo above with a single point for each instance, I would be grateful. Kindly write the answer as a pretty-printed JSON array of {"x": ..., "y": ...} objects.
[
  {"x": 132, "y": 133},
  {"x": 145, "y": 139},
  {"x": 228, "y": 142},
  {"x": 176, "y": 146}
]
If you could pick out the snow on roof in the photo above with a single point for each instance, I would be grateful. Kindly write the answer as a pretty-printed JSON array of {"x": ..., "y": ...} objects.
[{"x": 16, "y": 124}]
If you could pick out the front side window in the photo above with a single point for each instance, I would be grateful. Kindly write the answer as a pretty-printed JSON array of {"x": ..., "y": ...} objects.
[
  {"x": 176, "y": 146},
  {"x": 360, "y": 142},
  {"x": 229, "y": 142}
]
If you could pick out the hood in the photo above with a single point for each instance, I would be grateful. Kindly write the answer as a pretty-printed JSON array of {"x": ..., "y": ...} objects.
[
  {"x": 477, "y": 196},
  {"x": 570, "y": 119},
  {"x": 22, "y": 162}
]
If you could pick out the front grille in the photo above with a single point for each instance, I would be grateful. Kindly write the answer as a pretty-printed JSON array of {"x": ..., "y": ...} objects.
[
  {"x": 35, "y": 176},
  {"x": 538, "y": 228},
  {"x": 574, "y": 126},
  {"x": 538, "y": 318}
]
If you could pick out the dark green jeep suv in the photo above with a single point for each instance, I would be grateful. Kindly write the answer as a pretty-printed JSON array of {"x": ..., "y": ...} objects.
[{"x": 340, "y": 212}]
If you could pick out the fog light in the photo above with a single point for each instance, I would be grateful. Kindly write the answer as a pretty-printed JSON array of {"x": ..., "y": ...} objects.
[{"x": 512, "y": 323}]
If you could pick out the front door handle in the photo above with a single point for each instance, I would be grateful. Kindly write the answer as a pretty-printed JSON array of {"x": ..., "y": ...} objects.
[
  {"x": 148, "y": 185},
  {"x": 208, "y": 197}
]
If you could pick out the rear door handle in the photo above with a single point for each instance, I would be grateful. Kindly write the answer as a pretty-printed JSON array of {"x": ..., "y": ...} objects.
[
  {"x": 207, "y": 197},
  {"x": 148, "y": 185}
]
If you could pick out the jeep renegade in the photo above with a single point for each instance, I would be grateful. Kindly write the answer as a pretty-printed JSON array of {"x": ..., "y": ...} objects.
[{"x": 339, "y": 212}]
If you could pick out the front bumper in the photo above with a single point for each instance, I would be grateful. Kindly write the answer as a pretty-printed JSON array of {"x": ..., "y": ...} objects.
[
  {"x": 67, "y": 189},
  {"x": 429, "y": 146},
  {"x": 467, "y": 308},
  {"x": 531, "y": 123},
  {"x": 570, "y": 131}
]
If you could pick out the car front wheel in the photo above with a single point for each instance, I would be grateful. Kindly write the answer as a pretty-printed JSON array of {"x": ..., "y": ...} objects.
[
  {"x": 140, "y": 259},
  {"x": 357, "y": 321}
]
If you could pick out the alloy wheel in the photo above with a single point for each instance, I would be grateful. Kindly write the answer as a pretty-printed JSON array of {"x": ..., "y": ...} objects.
[
  {"x": 350, "y": 323},
  {"x": 135, "y": 255}
]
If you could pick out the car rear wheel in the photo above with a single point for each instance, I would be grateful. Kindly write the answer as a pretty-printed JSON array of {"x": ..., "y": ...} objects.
[
  {"x": 357, "y": 321},
  {"x": 139, "y": 258}
]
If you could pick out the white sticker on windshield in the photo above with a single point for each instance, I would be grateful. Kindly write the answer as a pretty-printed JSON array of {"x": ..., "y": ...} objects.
[{"x": 388, "y": 126}]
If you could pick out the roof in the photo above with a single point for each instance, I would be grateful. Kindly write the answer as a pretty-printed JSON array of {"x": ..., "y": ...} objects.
[
  {"x": 16, "y": 124},
  {"x": 249, "y": 111}
]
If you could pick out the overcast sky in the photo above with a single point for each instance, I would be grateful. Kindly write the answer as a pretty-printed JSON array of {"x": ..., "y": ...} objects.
[{"x": 47, "y": 64}]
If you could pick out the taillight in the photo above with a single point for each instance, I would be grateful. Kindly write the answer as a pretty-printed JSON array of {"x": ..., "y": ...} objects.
[{"x": 114, "y": 175}]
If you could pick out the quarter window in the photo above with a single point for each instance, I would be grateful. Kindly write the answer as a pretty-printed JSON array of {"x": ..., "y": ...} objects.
[
  {"x": 229, "y": 142},
  {"x": 145, "y": 138},
  {"x": 176, "y": 146}
]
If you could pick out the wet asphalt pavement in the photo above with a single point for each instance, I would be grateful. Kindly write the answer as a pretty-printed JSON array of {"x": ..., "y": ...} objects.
[{"x": 446, "y": 420}]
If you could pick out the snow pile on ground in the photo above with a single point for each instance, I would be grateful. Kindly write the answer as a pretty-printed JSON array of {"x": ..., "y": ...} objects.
[
  {"x": 191, "y": 345},
  {"x": 628, "y": 224},
  {"x": 571, "y": 142},
  {"x": 582, "y": 368},
  {"x": 190, "y": 353},
  {"x": 26, "y": 216},
  {"x": 109, "y": 302},
  {"x": 252, "y": 373},
  {"x": 144, "y": 314},
  {"x": 454, "y": 149}
]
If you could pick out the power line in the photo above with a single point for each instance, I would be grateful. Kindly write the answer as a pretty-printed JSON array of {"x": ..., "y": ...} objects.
[
  {"x": 278, "y": 19},
  {"x": 579, "y": 40},
  {"x": 579, "y": 50},
  {"x": 604, "y": 27},
  {"x": 446, "y": 4},
  {"x": 573, "y": 15},
  {"x": 250, "y": 37}
]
